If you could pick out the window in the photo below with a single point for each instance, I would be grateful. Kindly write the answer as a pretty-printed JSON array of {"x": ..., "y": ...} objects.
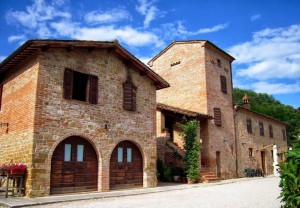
[
  {"x": 249, "y": 125},
  {"x": 129, "y": 155},
  {"x": 217, "y": 117},
  {"x": 80, "y": 151},
  {"x": 250, "y": 152},
  {"x": 1, "y": 90},
  {"x": 271, "y": 131},
  {"x": 68, "y": 151},
  {"x": 261, "y": 129},
  {"x": 219, "y": 63},
  {"x": 120, "y": 154},
  {"x": 129, "y": 96},
  {"x": 283, "y": 134},
  {"x": 223, "y": 84},
  {"x": 80, "y": 86}
]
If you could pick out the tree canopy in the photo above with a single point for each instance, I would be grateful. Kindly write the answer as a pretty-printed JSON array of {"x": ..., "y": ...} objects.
[{"x": 269, "y": 106}]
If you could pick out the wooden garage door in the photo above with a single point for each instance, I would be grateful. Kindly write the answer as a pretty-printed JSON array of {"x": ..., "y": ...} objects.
[
  {"x": 126, "y": 166},
  {"x": 74, "y": 167}
]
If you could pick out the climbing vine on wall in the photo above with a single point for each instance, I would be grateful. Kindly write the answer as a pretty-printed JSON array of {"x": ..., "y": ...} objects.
[{"x": 191, "y": 145}]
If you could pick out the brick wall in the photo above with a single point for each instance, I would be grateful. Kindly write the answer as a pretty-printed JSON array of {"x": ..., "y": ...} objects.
[
  {"x": 255, "y": 141},
  {"x": 51, "y": 118},
  {"x": 18, "y": 109},
  {"x": 221, "y": 138},
  {"x": 195, "y": 86}
]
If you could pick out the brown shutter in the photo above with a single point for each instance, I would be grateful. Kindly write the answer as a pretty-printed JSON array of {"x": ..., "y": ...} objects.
[
  {"x": 133, "y": 98},
  {"x": 93, "y": 95},
  {"x": 129, "y": 96},
  {"x": 283, "y": 134},
  {"x": 1, "y": 90},
  {"x": 249, "y": 125},
  {"x": 68, "y": 83},
  {"x": 261, "y": 129},
  {"x": 223, "y": 84},
  {"x": 271, "y": 131},
  {"x": 217, "y": 117}
]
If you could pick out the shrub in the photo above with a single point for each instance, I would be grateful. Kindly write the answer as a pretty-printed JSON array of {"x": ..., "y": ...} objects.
[
  {"x": 290, "y": 177},
  {"x": 168, "y": 174},
  {"x": 160, "y": 168}
]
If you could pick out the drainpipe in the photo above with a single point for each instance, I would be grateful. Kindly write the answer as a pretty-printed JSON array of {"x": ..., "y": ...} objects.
[
  {"x": 234, "y": 126},
  {"x": 236, "y": 150}
]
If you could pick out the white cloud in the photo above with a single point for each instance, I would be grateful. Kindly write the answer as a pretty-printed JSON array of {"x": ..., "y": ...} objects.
[
  {"x": 255, "y": 17},
  {"x": 2, "y": 58},
  {"x": 149, "y": 10},
  {"x": 210, "y": 30},
  {"x": 272, "y": 54},
  {"x": 36, "y": 17},
  {"x": 270, "y": 62},
  {"x": 14, "y": 38},
  {"x": 114, "y": 15},
  {"x": 276, "y": 88},
  {"x": 145, "y": 60},
  {"x": 126, "y": 34}
]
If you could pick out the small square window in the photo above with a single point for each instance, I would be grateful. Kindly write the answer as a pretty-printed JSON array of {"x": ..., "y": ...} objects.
[{"x": 219, "y": 63}]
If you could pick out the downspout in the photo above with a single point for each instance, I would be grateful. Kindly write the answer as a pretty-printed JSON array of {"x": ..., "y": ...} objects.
[{"x": 234, "y": 126}]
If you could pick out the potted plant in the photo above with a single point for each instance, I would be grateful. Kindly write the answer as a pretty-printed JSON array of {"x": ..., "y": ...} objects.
[
  {"x": 4, "y": 169},
  {"x": 17, "y": 169},
  {"x": 177, "y": 173},
  {"x": 165, "y": 130}
]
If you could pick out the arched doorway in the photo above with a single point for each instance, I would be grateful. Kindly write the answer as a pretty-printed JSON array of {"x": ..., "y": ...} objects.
[
  {"x": 74, "y": 167},
  {"x": 126, "y": 166}
]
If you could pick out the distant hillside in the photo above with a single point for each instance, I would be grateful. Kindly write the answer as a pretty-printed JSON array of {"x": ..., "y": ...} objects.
[{"x": 268, "y": 105}]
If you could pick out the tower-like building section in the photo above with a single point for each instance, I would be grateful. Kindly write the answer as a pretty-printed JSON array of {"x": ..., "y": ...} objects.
[{"x": 200, "y": 77}]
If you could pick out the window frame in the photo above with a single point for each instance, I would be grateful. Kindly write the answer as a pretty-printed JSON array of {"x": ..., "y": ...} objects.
[
  {"x": 91, "y": 88},
  {"x": 250, "y": 152}
]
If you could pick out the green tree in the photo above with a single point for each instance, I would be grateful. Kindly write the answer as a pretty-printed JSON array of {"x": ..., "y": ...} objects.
[{"x": 290, "y": 176}]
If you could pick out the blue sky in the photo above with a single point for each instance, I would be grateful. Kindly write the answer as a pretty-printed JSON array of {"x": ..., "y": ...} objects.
[{"x": 263, "y": 36}]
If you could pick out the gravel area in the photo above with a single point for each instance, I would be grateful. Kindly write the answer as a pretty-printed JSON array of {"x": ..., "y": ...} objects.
[{"x": 259, "y": 193}]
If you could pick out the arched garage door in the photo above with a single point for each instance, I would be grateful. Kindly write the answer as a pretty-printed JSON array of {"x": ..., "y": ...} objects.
[
  {"x": 126, "y": 166},
  {"x": 74, "y": 167}
]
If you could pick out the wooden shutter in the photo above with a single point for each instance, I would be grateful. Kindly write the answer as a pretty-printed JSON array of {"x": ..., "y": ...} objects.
[
  {"x": 68, "y": 83},
  {"x": 249, "y": 125},
  {"x": 283, "y": 134},
  {"x": 271, "y": 131},
  {"x": 223, "y": 84},
  {"x": 217, "y": 117},
  {"x": 93, "y": 94},
  {"x": 129, "y": 96},
  {"x": 1, "y": 90},
  {"x": 261, "y": 129}
]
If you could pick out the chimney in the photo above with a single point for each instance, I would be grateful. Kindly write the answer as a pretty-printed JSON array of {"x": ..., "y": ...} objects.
[{"x": 246, "y": 102}]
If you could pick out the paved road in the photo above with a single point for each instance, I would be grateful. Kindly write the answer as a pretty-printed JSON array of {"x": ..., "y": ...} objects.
[{"x": 259, "y": 193}]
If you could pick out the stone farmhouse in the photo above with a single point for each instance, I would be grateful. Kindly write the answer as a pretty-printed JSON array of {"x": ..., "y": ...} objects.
[
  {"x": 200, "y": 75},
  {"x": 80, "y": 114},
  {"x": 88, "y": 115}
]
